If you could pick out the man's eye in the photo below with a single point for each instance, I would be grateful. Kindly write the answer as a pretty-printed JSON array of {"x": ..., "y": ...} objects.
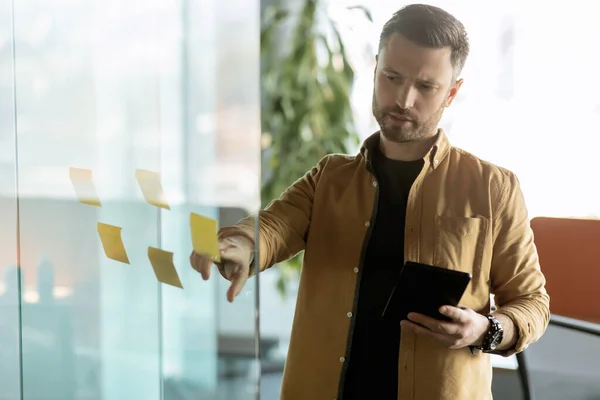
[
  {"x": 390, "y": 78},
  {"x": 426, "y": 88}
]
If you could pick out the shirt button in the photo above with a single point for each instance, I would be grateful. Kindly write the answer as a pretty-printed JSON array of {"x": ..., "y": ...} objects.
[
  {"x": 367, "y": 224},
  {"x": 356, "y": 270},
  {"x": 349, "y": 315},
  {"x": 374, "y": 183},
  {"x": 342, "y": 359},
  {"x": 436, "y": 162}
]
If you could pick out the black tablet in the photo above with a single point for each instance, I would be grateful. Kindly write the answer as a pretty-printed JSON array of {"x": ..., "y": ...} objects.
[{"x": 424, "y": 289}]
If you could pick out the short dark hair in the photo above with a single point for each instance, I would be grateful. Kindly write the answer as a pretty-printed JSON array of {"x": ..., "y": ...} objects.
[{"x": 431, "y": 27}]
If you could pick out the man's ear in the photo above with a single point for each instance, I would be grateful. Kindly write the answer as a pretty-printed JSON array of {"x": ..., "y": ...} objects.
[{"x": 453, "y": 92}]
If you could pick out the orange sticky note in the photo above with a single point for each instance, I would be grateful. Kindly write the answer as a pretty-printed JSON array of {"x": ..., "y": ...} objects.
[
  {"x": 164, "y": 269},
  {"x": 110, "y": 236},
  {"x": 83, "y": 185},
  {"x": 152, "y": 188},
  {"x": 204, "y": 236}
]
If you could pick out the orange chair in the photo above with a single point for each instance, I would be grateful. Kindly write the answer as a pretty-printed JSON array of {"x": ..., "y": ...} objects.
[{"x": 569, "y": 251}]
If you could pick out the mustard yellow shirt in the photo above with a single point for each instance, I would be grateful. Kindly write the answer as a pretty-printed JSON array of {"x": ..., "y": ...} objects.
[{"x": 462, "y": 213}]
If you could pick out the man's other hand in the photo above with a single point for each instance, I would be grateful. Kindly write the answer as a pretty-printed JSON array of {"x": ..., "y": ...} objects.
[{"x": 467, "y": 327}]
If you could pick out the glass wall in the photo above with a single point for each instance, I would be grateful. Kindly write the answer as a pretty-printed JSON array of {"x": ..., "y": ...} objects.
[
  {"x": 121, "y": 119},
  {"x": 10, "y": 363}
]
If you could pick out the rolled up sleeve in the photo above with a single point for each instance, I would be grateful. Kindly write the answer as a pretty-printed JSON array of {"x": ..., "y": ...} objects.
[
  {"x": 516, "y": 277},
  {"x": 284, "y": 223}
]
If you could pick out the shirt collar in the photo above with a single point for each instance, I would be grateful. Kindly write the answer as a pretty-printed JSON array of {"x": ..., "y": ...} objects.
[{"x": 435, "y": 156}]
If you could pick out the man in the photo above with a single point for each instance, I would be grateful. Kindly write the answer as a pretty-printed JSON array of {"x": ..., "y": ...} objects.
[{"x": 408, "y": 196}]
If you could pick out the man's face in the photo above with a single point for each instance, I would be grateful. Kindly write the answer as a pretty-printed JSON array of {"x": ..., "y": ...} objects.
[{"x": 413, "y": 85}]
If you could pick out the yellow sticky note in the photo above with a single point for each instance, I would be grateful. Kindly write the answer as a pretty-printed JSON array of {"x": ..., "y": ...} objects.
[
  {"x": 152, "y": 188},
  {"x": 164, "y": 269},
  {"x": 110, "y": 236},
  {"x": 204, "y": 236},
  {"x": 84, "y": 186}
]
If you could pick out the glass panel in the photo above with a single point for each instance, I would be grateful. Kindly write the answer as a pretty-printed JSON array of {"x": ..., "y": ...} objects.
[
  {"x": 224, "y": 124},
  {"x": 115, "y": 89},
  {"x": 87, "y": 98},
  {"x": 9, "y": 273},
  {"x": 211, "y": 159}
]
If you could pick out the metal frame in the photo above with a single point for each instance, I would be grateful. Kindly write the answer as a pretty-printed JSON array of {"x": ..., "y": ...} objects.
[{"x": 560, "y": 321}]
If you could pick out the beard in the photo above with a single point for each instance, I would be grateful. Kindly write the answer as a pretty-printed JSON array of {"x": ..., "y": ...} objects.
[{"x": 401, "y": 132}]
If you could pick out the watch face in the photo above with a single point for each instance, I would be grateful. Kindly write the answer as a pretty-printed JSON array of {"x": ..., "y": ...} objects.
[
  {"x": 496, "y": 339},
  {"x": 495, "y": 335}
]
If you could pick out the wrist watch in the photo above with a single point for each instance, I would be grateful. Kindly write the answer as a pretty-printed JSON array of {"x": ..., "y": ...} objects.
[{"x": 493, "y": 337}]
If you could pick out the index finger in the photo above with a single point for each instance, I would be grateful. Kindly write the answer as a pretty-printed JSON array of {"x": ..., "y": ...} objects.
[{"x": 201, "y": 264}]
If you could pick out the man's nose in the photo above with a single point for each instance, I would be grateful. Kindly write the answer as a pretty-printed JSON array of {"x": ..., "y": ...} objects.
[{"x": 406, "y": 97}]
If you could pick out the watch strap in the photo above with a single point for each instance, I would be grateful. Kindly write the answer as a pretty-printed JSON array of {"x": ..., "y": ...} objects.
[{"x": 493, "y": 336}]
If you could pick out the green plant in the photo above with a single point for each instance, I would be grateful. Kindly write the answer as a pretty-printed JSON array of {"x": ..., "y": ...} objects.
[{"x": 306, "y": 111}]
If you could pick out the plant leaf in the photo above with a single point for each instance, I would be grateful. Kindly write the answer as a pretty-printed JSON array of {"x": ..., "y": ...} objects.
[{"x": 364, "y": 9}]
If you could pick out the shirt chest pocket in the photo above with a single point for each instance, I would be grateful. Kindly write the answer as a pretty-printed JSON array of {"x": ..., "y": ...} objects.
[{"x": 459, "y": 244}]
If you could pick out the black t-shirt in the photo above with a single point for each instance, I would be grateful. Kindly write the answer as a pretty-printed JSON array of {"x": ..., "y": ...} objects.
[{"x": 373, "y": 361}]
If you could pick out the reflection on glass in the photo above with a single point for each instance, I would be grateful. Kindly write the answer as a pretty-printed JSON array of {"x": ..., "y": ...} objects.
[{"x": 115, "y": 88}]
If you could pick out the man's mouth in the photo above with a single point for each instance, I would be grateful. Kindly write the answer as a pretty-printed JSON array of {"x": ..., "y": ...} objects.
[{"x": 399, "y": 117}]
